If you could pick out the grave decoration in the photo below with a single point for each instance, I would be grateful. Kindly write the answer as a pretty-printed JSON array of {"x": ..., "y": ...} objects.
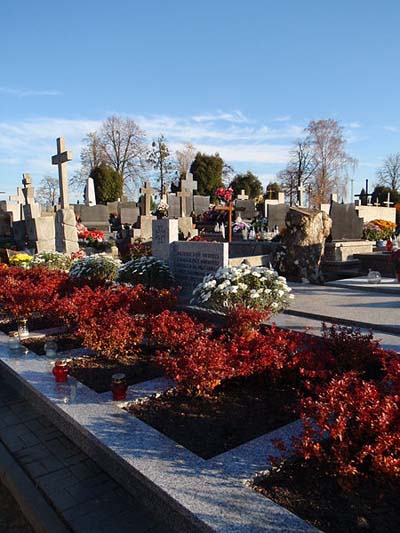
[
  {"x": 378, "y": 230},
  {"x": 95, "y": 270},
  {"x": 147, "y": 271},
  {"x": 249, "y": 287}
]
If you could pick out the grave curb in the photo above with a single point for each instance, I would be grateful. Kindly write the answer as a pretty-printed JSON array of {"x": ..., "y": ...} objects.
[
  {"x": 188, "y": 492},
  {"x": 34, "y": 506}
]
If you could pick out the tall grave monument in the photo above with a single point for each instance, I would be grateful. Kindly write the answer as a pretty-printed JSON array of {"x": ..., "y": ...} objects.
[
  {"x": 145, "y": 220},
  {"x": 66, "y": 237}
]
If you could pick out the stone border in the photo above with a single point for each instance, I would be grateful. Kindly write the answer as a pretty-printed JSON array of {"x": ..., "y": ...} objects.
[{"x": 193, "y": 494}]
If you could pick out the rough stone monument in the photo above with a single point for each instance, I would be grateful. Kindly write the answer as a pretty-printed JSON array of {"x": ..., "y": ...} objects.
[
  {"x": 303, "y": 244},
  {"x": 66, "y": 237}
]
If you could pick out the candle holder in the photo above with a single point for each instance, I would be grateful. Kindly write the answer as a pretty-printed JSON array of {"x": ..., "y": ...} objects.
[
  {"x": 50, "y": 348},
  {"x": 13, "y": 341},
  {"x": 60, "y": 371},
  {"x": 119, "y": 386},
  {"x": 23, "y": 331}
]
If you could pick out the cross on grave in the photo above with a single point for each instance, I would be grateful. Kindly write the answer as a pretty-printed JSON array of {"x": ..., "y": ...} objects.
[
  {"x": 367, "y": 194},
  {"x": 229, "y": 208},
  {"x": 183, "y": 194},
  {"x": 377, "y": 204},
  {"x": 388, "y": 203},
  {"x": 300, "y": 190},
  {"x": 242, "y": 195},
  {"x": 147, "y": 191},
  {"x": 188, "y": 183},
  {"x": 60, "y": 159}
]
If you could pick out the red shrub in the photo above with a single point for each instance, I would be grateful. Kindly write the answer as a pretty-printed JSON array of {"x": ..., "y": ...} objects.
[
  {"x": 112, "y": 335},
  {"x": 24, "y": 292},
  {"x": 362, "y": 424}
]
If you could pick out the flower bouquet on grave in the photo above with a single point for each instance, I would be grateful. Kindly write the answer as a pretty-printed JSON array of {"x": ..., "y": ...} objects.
[{"x": 224, "y": 195}]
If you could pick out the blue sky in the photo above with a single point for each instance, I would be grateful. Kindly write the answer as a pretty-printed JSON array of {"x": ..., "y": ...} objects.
[{"x": 240, "y": 78}]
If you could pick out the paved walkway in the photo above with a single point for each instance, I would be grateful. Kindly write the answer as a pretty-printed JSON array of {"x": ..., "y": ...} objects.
[
  {"x": 378, "y": 310},
  {"x": 87, "y": 499}
]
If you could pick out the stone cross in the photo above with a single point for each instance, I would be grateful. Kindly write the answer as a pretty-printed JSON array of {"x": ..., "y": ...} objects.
[
  {"x": 377, "y": 204},
  {"x": 300, "y": 190},
  {"x": 242, "y": 195},
  {"x": 183, "y": 194},
  {"x": 60, "y": 159},
  {"x": 147, "y": 190},
  {"x": 388, "y": 203},
  {"x": 188, "y": 183},
  {"x": 19, "y": 197}
]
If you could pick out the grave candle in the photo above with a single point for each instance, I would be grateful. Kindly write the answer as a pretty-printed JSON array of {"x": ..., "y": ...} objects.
[
  {"x": 60, "y": 371},
  {"x": 50, "y": 348},
  {"x": 13, "y": 340},
  {"x": 118, "y": 386},
  {"x": 23, "y": 331}
]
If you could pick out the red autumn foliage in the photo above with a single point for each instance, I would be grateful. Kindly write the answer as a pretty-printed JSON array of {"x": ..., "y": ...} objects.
[
  {"x": 25, "y": 292},
  {"x": 361, "y": 420},
  {"x": 86, "y": 302},
  {"x": 113, "y": 335}
]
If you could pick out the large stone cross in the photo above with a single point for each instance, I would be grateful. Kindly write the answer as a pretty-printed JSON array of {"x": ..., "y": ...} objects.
[
  {"x": 60, "y": 159},
  {"x": 388, "y": 203},
  {"x": 300, "y": 190},
  {"x": 147, "y": 191},
  {"x": 188, "y": 184},
  {"x": 183, "y": 194},
  {"x": 242, "y": 195}
]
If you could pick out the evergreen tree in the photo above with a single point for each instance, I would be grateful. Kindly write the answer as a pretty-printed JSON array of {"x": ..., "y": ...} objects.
[
  {"x": 249, "y": 182},
  {"x": 108, "y": 184},
  {"x": 207, "y": 171}
]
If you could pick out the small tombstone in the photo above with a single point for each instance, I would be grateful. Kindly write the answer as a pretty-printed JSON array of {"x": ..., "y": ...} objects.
[
  {"x": 89, "y": 192},
  {"x": 174, "y": 206},
  {"x": 201, "y": 204},
  {"x": 242, "y": 195},
  {"x": 165, "y": 231}
]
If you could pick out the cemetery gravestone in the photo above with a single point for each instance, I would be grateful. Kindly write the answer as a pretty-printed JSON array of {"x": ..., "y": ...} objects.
[
  {"x": 201, "y": 204},
  {"x": 191, "y": 261},
  {"x": 66, "y": 236},
  {"x": 145, "y": 219},
  {"x": 89, "y": 193},
  {"x": 247, "y": 209},
  {"x": 174, "y": 209},
  {"x": 95, "y": 217},
  {"x": 346, "y": 224},
  {"x": 129, "y": 215},
  {"x": 276, "y": 215},
  {"x": 165, "y": 232}
]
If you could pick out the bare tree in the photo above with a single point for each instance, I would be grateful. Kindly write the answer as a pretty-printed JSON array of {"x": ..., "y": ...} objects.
[
  {"x": 160, "y": 159},
  {"x": 122, "y": 144},
  {"x": 48, "y": 192},
  {"x": 330, "y": 159},
  {"x": 389, "y": 173},
  {"x": 91, "y": 157},
  {"x": 298, "y": 171},
  {"x": 185, "y": 158}
]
